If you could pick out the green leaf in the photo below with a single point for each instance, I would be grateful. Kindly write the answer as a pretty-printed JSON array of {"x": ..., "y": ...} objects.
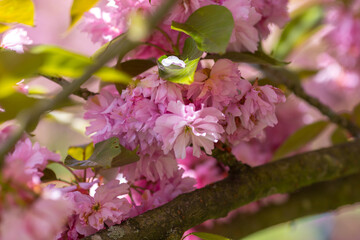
[
  {"x": 190, "y": 50},
  {"x": 15, "y": 103},
  {"x": 49, "y": 175},
  {"x": 4, "y": 27},
  {"x": 208, "y": 236},
  {"x": 135, "y": 66},
  {"x": 60, "y": 62},
  {"x": 191, "y": 56},
  {"x": 78, "y": 8},
  {"x": 210, "y": 26},
  {"x": 306, "y": 73},
  {"x": 259, "y": 57},
  {"x": 356, "y": 114},
  {"x": 103, "y": 154},
  {"x": 81, "y": 152},
  {"x": 300, "y": 138},
  {"x": 19, "y": 65},
  {"x": 19, "y": 105},
  {"x": 17, "y": 11},
  {"x": 125, "y": 157},
  {"x": 339, "y": 136},
  {"x": 14, "y": 67},
  {"x": 107, "y": 154},
  {"x": 296, "y": 28}
]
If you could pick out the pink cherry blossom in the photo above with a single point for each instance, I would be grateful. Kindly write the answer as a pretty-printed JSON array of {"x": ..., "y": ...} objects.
[
  {"x": 245, "y": 36},
  {"x": 184, "y": 125},
  {"x": 131, "y": 116},
  {"x": 104, "y": 208},
  {"x": 159, "y": 193},
  {"x": 110, "y": 18},
  {"x": 99, "y": 110},
  {"x": 344, "y": 37},
  {"x": 15, "y": 39},
  {"x": 272, "y": 12},
  {"x": 159, "y": 39},
  {"x": 26, "y": 162},
  {"x": 182, "y": 10},
  {"x": 219, "y": 86},
  {"x": 255, "y": 111},
  {"x": 205, "y": 169},
  {"x": 42, "y": 220},
  {"x": 153, "y": 167},
  {"x": 5, "y": 130},
  {"x": 335, "y": 84}
]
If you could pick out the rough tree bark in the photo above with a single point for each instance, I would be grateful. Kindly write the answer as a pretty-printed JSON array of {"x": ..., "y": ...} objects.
[
  {"x": 315, "y": 199},
  {"x": 242, "y": 187}
]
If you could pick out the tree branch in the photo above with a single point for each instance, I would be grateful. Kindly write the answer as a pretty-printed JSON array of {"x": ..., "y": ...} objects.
[
  {"x": 292, "y": 82},
  {"x": 315, "y": 199},
  {"x": 81, "y": 92},
  {"x": 216, "y": 200}
]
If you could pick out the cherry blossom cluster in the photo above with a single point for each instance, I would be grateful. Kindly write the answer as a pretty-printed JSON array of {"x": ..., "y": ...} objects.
[
  {"x": 37, "y": 212},
  {"x": 252, "y": 19},
  {"x": 344, "y": 33},
  {"x": 164, "y": 118}
]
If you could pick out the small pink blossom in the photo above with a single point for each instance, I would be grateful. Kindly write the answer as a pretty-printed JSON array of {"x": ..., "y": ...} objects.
[
  {"x": 15, "y": 39},
  {"x": 184, "y": 125},
  {"x": 104, "y": 208},
  {"x": 44, "y": 219},
  {"x": 26, "y": 162},
  {"x": 344, "y": 37},
  {"x": 153, "y": 167},
  {"x": 131, "y": 116},
  {"x": 255, "y": 111},
  {"x": 182, "y": 10},
  {"x": 99, "y": 110},
  {"x": 272, "y": 12},
  {"x": 5, "y": 131},
  {"x": 110, "y": 18},
  {"x": 205, "y": 169},
  {"x": 245, "y": 36},
  {"x": 161, "y": 192},
  {"x": 22, "y": 87},
  {"x": 219, "y": 86}
]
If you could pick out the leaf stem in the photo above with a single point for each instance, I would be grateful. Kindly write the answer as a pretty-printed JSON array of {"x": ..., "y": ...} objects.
[
  {"x": 70, "y": 170},
  {"x": 157, "y": 47},
  {"x": 168, "y": 38}
]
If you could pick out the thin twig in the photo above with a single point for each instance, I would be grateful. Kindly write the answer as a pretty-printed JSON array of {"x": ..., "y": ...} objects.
[
  {"x": 174, "y": 47},
  {"x": 81, "y": 92},
  {"x": 157, "y": 47},
  {"x": 70, "y": 170},
  {"x": 178, "y": 41}
]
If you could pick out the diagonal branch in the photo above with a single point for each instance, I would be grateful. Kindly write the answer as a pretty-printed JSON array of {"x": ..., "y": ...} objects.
[
  {"x": 81, "y": 92},
  {"x": 216, "y": 200},
  {"x": 315, "y": 199}
]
